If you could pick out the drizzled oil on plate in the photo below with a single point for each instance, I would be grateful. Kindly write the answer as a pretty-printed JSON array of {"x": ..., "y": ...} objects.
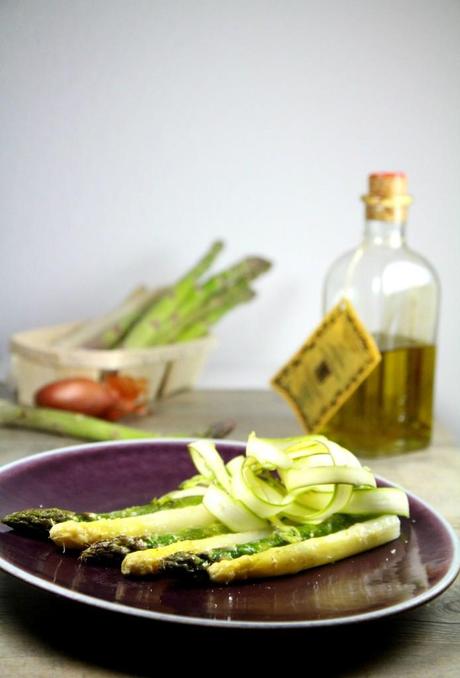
[{"x": 400, "y": 575}]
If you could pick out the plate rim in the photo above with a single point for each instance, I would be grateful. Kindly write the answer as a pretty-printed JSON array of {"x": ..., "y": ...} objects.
[{"x": 101, "y": 603}]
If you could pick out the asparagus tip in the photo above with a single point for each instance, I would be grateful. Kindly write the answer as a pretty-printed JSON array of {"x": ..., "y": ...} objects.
[
  {"x": 37, "y": 520},
  {"x": 185, "y": 564},
  {"x": 219, "y": 429},
  {"x": 112, "y": 550}
]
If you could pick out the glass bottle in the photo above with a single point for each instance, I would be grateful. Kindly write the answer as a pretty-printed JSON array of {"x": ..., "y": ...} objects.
[{"x": 396, "y": 293}]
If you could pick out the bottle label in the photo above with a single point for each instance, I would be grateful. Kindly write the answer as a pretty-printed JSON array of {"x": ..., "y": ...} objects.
[{"x": 328, "y": 367}]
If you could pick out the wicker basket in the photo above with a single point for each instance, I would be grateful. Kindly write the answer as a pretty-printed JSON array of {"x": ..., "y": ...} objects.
[{"x": 167, "y": 369}]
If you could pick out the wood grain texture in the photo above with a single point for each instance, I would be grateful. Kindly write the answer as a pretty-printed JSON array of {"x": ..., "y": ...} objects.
[{"x": 45, "y": 636}]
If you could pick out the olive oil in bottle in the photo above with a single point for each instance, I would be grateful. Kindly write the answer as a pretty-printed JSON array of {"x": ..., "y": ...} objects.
[
  {"x": 396, "y": 293},
  {"x": 392, "y": 409}
]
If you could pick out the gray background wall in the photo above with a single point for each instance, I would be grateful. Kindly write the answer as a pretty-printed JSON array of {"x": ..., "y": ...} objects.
[{"x": 135, "y": 132}]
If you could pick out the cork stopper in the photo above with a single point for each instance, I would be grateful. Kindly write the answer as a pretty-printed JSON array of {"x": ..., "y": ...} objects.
[{"x": 387, "y": 199}]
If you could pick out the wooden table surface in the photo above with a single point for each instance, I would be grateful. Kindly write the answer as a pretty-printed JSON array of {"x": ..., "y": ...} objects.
[{"x": 43, "y": 635}]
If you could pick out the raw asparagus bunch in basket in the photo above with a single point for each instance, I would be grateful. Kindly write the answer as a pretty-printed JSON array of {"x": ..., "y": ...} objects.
[
  {"x": 183, "y": 311},
  {"x": 190, "y": 308}
]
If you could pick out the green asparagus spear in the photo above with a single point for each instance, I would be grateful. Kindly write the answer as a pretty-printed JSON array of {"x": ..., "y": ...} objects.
[
  {"x": 105, "y": 331},
  {"x": 110, "y": 336},
  {"x": 149, "y": 561},
  {"x": 75, "y": 425},
  {"x": 211, "y": 313},
  {"x": 196, "y": 564},
  {"x": 194, "y": 331},
  {"x": 213, "y": 292},
  {"x": 39, "y": 521},
  {"x": 114, "y": 550},
  {"x": 145, "y": 329}
]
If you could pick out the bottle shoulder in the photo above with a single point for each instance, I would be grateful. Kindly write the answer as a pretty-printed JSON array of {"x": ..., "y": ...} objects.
[
  {"x": 340, "y": 264},
  {"x": 394, "y": 290},
  {"x": 423, "y": 263},
  {"x": 368, "y": 262}
]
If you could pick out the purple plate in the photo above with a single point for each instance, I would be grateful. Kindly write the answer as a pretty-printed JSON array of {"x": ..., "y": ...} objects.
[{"x": 103, "y": 476}]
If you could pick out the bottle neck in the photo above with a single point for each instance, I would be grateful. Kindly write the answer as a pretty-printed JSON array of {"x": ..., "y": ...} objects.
[{"x": 385, "y": 233}]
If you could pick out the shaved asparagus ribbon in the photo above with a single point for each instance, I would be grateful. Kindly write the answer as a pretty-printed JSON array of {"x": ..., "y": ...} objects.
[{"x": 304, "y": 479}]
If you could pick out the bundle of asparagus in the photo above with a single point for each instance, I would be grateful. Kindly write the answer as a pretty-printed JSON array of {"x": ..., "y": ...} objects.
[
  {"x": 186, "y": 310},
  {"x": 285, "y": 506}
]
